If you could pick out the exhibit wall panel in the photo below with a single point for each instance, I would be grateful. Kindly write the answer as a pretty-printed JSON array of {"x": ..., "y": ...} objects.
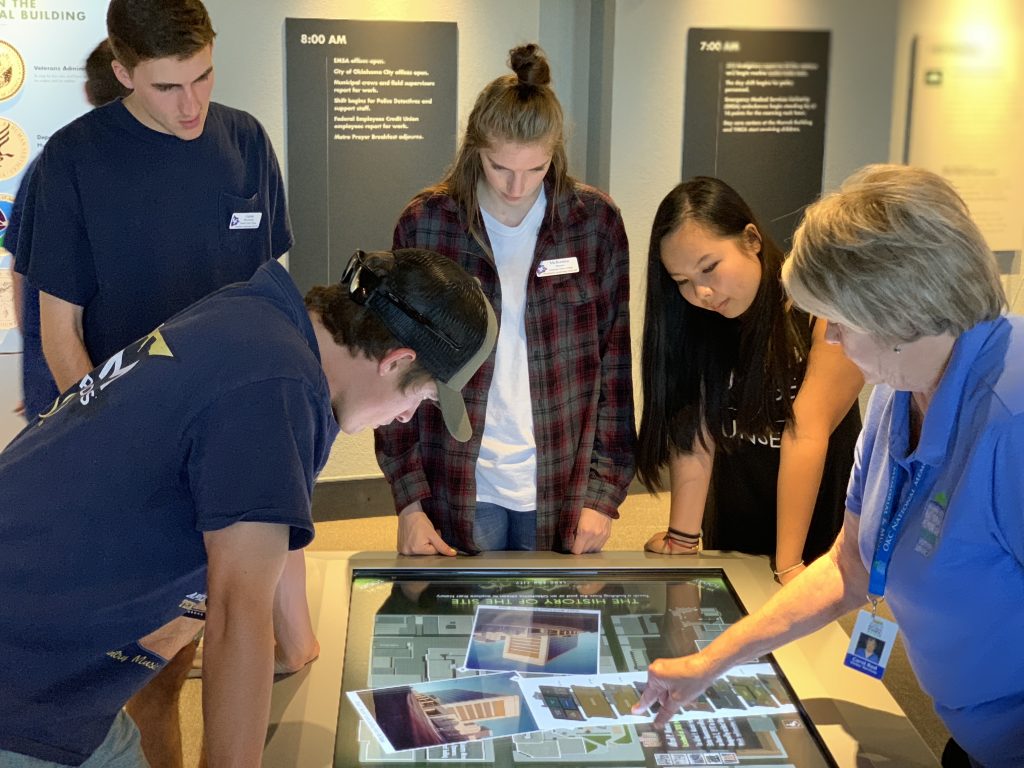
[
  {"x": 960, "y": 115},
  {"x": 249, "y": 61},
  {"x": 647, "y": 105}
]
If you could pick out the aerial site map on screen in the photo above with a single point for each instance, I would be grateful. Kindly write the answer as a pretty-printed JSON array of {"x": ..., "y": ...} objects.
[{"x": 541, "y": 668}]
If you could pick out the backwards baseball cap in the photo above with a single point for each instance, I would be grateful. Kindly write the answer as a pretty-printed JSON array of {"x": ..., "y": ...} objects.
[{"x": 434, "y": 307}]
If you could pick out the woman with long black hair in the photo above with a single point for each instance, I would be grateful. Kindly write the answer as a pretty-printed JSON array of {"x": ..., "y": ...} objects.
[{"x": 752, "y": 411}]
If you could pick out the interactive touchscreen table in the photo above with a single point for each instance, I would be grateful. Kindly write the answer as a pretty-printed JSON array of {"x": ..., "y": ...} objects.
[{"x": 401, "y": 633}]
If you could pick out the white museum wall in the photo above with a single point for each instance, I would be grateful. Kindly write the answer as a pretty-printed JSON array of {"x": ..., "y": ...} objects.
[
  {"x": 998, "y": 27},
  {"x": 996, "y": 23}
]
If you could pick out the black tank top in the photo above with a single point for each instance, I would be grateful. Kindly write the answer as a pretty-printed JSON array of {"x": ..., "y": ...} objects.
[{"x": 741, "y": 508}]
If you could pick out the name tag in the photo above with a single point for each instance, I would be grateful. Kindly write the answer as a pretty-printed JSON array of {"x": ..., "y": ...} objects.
[
  {"x": 246, "y": 220},
  {"x": 870, "y": 644},
  {"x": 552, "y": 267}
]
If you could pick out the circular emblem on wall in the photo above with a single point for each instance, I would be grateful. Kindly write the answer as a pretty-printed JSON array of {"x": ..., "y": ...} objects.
[
  {"x": 12, "y": 70},
  {"x": 13, "y": 149},
  {"x": 6, "y": 206}
]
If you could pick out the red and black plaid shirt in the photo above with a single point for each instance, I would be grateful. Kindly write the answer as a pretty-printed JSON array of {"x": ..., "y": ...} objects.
[{"x": 577, "y": 339}]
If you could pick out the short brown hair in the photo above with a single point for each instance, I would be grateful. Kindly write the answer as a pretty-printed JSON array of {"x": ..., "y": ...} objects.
[
  {"x": 101, "y": 84},
  {"x": 141, "y": 30},
  {"x": 410, "y": 298},
  {"x": 357, "y": 328}
]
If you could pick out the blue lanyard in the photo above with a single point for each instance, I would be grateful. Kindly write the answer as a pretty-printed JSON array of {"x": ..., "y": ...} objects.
[{"x": 889, "y": 528}]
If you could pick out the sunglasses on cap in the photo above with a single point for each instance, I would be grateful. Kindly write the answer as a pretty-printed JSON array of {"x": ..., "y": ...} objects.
[{"x": 363, "y": 282}]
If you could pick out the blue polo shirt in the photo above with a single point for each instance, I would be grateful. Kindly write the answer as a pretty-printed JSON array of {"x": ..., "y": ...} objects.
[
  {"x": 221, "y": 415},
  {"x": 956, "y": 580}
]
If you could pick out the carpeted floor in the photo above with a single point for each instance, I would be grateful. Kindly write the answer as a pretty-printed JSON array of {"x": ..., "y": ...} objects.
[{"x": 642, "y": 515}]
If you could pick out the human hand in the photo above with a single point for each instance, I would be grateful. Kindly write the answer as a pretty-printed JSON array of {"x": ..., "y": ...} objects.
[
  {"x": 663, "y": 544},
  {"x": 286, "y": 666},
  {"x": 592, "y": 531},
  {"x": 417, "y": 535},
  {"x": 671, "y": 683}
]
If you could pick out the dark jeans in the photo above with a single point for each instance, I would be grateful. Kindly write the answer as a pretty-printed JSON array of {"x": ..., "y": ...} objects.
[{"x": 499, "y": 528}]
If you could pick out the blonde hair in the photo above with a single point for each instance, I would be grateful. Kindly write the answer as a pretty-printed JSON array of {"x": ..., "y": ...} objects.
[
  {"x": 894, "y": 252},
  {"x": 520, "y": 108}
]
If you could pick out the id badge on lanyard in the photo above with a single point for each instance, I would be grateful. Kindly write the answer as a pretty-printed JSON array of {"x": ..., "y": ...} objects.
[{"x": 873, "y": 636}]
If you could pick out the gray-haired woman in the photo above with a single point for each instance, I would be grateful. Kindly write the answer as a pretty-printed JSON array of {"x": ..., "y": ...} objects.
[{"x": 935, "y": 508}]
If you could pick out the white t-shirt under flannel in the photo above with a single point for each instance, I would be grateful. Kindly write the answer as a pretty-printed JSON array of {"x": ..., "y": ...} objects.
[{"x": 506, "y": 470}]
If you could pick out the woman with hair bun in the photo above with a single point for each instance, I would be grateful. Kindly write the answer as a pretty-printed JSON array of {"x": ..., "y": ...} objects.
[{"x": 550, "y": 457}]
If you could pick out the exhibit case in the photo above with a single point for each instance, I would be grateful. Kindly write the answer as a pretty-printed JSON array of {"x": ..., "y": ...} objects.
[{"x": 535, "y": 659}]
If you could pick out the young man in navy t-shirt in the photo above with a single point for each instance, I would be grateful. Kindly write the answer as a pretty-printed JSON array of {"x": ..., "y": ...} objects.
[
  {"x": 138, "y": 209},
  {"x": 180, "y": 470},
  {"x": 148, "y": 203}
]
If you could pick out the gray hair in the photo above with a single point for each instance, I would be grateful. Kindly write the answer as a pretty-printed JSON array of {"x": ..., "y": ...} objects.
[{"x": 894, "y": 252}]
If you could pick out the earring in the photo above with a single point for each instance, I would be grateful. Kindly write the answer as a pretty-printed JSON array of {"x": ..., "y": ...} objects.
[{"x": 898, "y": 348}]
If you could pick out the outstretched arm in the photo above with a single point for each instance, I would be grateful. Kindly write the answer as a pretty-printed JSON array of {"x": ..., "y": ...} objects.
[
  {"x": 246, "y": 561},
  {"x": 830, "y": 387},
  {"x": 397, "y": 447},
  {"x": 832, "y": 585},
  {"x": 19, "y": 299}
]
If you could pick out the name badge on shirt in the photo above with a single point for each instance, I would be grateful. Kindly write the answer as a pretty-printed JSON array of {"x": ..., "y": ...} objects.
[
  {"x": 871, "y": 644},
  {"x": 246, "y": 220},
  {"x": 552, "y": 267}
]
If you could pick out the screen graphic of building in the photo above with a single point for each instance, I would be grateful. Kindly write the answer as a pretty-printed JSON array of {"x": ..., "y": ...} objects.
[
  {"x": 474, "y": 705},
  {"x": 532, "y": 643},
  {"x": 538, "y": 648}
]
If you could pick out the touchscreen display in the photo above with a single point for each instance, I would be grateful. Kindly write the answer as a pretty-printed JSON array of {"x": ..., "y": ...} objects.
[{"x": 420, "y": 671}]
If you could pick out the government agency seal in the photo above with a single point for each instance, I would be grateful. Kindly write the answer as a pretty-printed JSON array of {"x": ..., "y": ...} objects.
[
  {"x": 13, "y": 149},
  {"x": 12, "y": 70}
]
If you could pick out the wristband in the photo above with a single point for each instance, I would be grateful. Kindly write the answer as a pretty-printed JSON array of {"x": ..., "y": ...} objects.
[
  {"x": 680, "y": 535},
  {"x": 791, "y": 568},
  {"x": 682, "y": 544}
]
